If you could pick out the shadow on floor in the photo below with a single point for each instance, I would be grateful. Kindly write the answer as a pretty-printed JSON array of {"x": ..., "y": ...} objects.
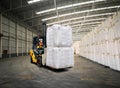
[{"x": 53, "y": 69}]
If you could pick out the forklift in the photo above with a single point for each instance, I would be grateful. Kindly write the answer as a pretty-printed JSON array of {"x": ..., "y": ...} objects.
[{"x": 37, "y": 52}]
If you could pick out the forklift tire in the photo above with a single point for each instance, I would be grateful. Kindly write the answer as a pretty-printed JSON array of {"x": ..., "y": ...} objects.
[
  {"x": 39, "y": 62},
  {"x": 31, "y": 60}
]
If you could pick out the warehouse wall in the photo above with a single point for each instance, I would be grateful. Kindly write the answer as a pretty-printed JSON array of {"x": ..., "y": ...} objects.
[
  {"x": 16, "y": 40},
  {"x": 102, "y": 45}
]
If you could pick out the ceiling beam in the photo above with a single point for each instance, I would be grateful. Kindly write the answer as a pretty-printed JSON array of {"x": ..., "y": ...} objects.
[
  {"x": 16, "y": 8},
  {"x": 76, "y": 18},
  {"x": 86, "y": 24},
  {"x": 68, "y": 6},
  {"x": 73, "y": 13},
  {"x": 38, "y": 8},
  {"x": 82, "y": 25},
  {"x": 91, "y": 20},
  {"x": 20, "y": 6},
  {"x": 89, "y": 26},
  {"x": 83, "y": 11}
]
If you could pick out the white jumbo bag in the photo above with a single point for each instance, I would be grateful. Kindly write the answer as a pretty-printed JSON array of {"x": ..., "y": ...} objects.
[
  {"x": 66, "y": 36},
  {"x": 50, "y": 36},
  {"x": 56, "y": 34},
  {"x": 49, "y": 57},
  {"x": 60, "y": 57},
  {"x": 59, "y": 36}
]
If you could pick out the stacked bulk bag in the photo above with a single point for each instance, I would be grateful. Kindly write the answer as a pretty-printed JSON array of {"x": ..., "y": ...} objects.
[
  {"x": 104, "y": 43},
  {"x": 50, "y": 37},
  {"x": 60, "y": 53},
  {"x": 60, "y": 57},
  {"x": 59, "y": 36}
]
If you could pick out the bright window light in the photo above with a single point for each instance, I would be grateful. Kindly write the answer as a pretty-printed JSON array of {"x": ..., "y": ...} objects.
[
  {"x": 68, "y": 14},
  {"x": 68, "y": 6},
  {"x": 33, "y": 1},
  {"x": 80, "y": 18}
]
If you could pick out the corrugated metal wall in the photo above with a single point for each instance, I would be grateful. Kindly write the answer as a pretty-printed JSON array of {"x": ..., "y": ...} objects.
[
  {"x": 6, "y": 38},
  {"x": 17, "y": 40}
]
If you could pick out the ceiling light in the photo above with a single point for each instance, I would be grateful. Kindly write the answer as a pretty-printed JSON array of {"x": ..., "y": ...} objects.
[
  {"x": 68, "y": 6},
  {"x": 81, "y": 18},
  {"x": 74, "y": 28},
  {"x": 86, "y": 24},
  {"x": 68, "y": 14},
  {"x": 91, "y": 26},
  {"x": 98, "y": 19},
  {"x": 33, "y": 1},
  {"x": 45, "y": 11}
]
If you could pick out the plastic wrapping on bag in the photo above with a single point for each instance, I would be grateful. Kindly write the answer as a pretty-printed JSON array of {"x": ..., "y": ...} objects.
[{"x": 60, "y": 57}]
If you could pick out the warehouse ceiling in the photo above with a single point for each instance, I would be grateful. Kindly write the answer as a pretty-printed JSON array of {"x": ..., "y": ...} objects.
[{"x": 82, "y": 15}]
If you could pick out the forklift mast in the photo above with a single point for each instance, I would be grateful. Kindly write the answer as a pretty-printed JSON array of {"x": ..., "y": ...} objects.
[{"x": 44, "y": 33}]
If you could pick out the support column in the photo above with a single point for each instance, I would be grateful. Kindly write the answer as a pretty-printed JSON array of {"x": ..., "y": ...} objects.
[
  {"x": 9, "y": 39},
  {"x": 1, "y": 36},
  {"x": 16, "y": 39},
  {"x": 26, "y": 45}
]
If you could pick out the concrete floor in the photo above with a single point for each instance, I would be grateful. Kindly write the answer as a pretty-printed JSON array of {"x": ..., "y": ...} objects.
[{"x": 20, "y": 73}]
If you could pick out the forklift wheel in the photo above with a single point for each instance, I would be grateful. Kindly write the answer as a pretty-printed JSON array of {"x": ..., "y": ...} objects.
[
  {"x": 31, "y": 60},
  {"x": 39, "y": 62}
]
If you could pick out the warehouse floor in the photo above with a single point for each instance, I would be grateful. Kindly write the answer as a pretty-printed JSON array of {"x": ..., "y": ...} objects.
[{"x": 20, "y": 73}]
